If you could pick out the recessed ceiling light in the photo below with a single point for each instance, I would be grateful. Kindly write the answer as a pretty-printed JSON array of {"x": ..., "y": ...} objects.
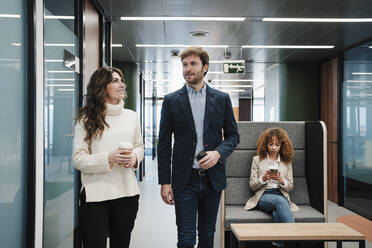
[
  {"x": 232, "y": 80},
  {"x": 10, "y": 16},
  {"x": 288, "y": 46},
  {"x": 116, "y": 45},
  {"x": 198, "y": 33},
  {"x": 16, "y": 44},
  {"x": 59, "y": 17},
  {"x": 370, "y": 47},
  {"x": 361, "y": 73},
  {"x": 181, "y": 18},
  {"x": 317, "y": 19},
  {"x": 180, "y": 45}
]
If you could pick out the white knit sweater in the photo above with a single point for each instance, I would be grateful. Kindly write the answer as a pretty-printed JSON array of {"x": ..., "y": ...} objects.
[{"x": 100, "y": 182}]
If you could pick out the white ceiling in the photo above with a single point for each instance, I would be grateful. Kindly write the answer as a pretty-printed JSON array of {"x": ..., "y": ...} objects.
[{"x": 252, "y": 31}]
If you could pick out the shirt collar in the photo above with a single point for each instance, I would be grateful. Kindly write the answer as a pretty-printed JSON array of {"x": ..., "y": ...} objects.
[
  {"x": 275, "y": 161},
  {"x": 191, "y": 91}
]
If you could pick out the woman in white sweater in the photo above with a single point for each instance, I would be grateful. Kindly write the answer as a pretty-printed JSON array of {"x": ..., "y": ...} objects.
[{"x": 110, "y": 192}]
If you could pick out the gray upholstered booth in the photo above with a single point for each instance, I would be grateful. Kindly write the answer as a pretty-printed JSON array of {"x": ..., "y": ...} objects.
[{"x": 309, "y": 174}]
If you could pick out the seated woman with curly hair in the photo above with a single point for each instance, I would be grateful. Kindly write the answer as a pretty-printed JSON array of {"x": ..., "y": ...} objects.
[{"x": 272, "y": 177}]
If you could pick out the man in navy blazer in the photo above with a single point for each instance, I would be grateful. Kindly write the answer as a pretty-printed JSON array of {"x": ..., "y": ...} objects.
[{"x": 199, "y": 118}]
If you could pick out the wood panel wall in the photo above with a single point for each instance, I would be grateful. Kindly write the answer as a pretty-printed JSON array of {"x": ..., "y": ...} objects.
[
  {"x": 329, "y": 114},
  {"x": 92, "y": 51},
  {"x": 245, "y": 109}
]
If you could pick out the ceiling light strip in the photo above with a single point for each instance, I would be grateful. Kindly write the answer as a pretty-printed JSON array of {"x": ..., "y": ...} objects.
[
  {"x": 180, "y": 45},
  {"x": 10, "y": 16},
  {"x": 233, "y": 90},
  {"x": 232, "y": 80},
  {"x": 59, "y": 79},
  {"x": 60, "y": 71},
  {"x": 359, "y": 81},
  {"x": 66, "y": 90},
  {"x": 59, "y": 85},
  {"x": 116, "y": 45},
  {"x": 225, "y": 61},
  {"x": 290, "y": 46},
  {"x": 53, "y": 60},
  {"x": 267, "y": 19},
  {"x": 181, "y": 18},
  {"x": 58, "y": 45},
  {"x": 233, "y": 86},
  {"x": 59, "y": 17},
  {"x": 361, "y": 73}
]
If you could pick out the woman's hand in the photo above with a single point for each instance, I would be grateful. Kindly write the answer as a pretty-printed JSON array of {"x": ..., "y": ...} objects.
[
  {"x": 267, "y": 176},
  {"x": 130, "y": 160},
  {"x": 115, "y": 157},
  {"x": 277, "y": 177}
]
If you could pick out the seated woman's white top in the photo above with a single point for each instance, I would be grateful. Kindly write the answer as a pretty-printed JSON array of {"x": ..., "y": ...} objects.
[{"x": 102, "y": 183}]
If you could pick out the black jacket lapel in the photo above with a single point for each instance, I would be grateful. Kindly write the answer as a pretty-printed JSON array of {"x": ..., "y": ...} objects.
[
  {"x": 186, "y": 108},
  {"x": 209, "y": 107}
]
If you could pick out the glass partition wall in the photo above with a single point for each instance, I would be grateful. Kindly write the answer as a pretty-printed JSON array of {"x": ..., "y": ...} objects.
[
  {"x": 357, "y": 129},
  {"x": 60, "y": 109},
  {"x": 13, "y": 124}
]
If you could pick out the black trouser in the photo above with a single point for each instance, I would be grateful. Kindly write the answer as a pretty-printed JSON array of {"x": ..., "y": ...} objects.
[{"x": 112, "y": 218}]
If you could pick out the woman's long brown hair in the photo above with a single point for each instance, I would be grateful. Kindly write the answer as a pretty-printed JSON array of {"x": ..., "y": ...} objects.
[
  {"x": 93, "y": 113},
  {"x": 286, "y": 150}
]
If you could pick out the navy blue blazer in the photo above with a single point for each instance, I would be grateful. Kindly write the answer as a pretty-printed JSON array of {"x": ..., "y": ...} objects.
[{"x": 177, "y": 119}]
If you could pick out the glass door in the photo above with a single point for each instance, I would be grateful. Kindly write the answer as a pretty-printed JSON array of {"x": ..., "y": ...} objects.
[
  {"x": 13, "y": 124},
  {"x": 357, "y": 129},
  {"x": 60, "y": 109}
]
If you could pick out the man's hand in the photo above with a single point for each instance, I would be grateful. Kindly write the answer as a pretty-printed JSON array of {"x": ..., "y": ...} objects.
[
  {"x": 209, "y": 160},
  {"x": 167, "y": 194}
]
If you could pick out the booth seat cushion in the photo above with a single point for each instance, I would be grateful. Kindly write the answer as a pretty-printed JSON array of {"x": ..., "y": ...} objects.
[{"x": 236, "y": 214}]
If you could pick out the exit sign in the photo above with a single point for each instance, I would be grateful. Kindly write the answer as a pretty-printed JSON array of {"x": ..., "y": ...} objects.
[{"x": 237, "y": 67}]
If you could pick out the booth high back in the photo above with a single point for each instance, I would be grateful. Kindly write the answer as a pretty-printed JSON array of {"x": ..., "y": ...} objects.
[{"x": 309, "y": 173}]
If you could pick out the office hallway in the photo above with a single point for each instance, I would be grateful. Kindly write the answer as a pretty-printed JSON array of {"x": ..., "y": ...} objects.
[{"x": 155, "y": 224}]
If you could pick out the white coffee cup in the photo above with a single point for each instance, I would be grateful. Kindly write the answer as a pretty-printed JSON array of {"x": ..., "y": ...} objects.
[{"x": 125, "y": 148}]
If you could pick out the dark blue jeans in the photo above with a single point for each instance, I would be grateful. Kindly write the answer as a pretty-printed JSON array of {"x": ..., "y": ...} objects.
[{"x": 199, "y": 201}]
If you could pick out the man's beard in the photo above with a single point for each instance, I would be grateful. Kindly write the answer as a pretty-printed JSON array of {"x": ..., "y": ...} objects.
[{"x": 197, "y": 79}]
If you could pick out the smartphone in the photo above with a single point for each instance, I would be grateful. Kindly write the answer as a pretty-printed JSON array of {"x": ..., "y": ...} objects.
[
  {"x": 273, "y": 171},
  {"x": 200, "y": 155}
]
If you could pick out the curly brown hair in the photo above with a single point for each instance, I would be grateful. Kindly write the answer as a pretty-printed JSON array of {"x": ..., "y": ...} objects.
[
  {"x": 286, "y": 150},
  {"x": 93, "y": 113}
]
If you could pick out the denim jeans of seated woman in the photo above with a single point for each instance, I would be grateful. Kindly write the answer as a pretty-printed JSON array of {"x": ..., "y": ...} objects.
[
  {"x": 273, "y": 201},
  {"x": 198, "y": 201}
]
